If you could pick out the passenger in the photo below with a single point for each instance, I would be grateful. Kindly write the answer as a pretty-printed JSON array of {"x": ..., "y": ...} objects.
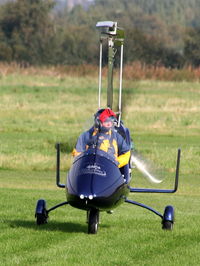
[{"x": 105, "y": 137}]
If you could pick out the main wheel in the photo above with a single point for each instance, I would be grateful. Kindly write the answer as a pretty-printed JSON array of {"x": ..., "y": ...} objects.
[
  {"x": 168, "y": 218},
  {"x": 41, "y": 212},
  {"x": 93, "y": 221}
]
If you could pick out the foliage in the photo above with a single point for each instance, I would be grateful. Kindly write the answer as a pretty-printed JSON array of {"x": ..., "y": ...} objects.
[
  {"x": 138, "y": 48},
  {"x": 27, "y": 31},
  {"x": 132, "y": 72},
  {"x": 192, "y": 47},
  {"x": 33, "y": 32}
]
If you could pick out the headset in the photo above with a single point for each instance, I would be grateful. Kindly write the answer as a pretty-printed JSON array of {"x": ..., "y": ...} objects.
[{"x": 97, "y": 122}]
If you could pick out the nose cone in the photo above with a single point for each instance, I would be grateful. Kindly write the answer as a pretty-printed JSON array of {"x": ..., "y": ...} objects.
[{"x": 94, "y": 182}]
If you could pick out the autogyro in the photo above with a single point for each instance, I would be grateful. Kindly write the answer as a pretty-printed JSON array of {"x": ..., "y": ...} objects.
[{"x": 94, "y": 182}]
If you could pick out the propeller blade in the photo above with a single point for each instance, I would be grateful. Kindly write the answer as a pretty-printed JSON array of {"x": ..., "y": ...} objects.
[{"x": 146, "y": 167}]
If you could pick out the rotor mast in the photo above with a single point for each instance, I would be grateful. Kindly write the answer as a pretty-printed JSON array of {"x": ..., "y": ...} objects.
[
  {"x": 111, "y": 55},
  {"x": 110, "y": 32}
]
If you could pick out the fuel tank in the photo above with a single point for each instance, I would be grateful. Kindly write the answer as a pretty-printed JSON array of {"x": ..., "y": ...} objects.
[{"x": 95, "y": 181}]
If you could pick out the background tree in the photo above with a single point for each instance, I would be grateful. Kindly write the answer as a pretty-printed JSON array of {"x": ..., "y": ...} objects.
[
  {"x": 27, "y": 30},
  {"x": 5, "y": 50},
  {"x": 35, "y": 32},
  {"x": 192, "y": 47}
]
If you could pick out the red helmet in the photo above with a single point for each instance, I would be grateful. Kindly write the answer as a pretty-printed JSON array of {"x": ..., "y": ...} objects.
[
  {"x": 102, "y": 115},
  {"x": 107, "y": 113}
]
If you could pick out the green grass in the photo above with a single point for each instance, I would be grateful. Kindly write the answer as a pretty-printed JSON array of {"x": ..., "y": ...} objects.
[
  {"x": 131, "y": 236},
  {"x": 36, "y": 112}
]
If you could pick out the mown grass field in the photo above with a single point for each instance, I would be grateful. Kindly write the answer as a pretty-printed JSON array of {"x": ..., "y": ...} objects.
[{"x": 36, "y": 112}]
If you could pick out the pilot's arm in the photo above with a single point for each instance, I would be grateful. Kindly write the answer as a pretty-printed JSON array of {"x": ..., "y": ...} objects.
[
  {"x": 123, "y": 151},
  {"x": 81, "y": 144}
]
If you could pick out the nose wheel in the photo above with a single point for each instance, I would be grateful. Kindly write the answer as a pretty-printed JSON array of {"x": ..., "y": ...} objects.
[{"x": 93, "y": 221}]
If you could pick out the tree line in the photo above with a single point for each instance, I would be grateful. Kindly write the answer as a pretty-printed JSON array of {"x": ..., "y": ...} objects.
[{"x": 157, "y": 32}]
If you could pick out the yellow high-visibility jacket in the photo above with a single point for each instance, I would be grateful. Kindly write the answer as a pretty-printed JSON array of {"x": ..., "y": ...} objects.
[{"x": 111, "y": 142}]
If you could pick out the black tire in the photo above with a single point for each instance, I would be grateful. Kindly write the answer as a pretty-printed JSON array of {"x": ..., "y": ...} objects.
[
  {"x": 93, "y": 221},
  {"x": 167, "y": 225},
  {"x": 41, "y": 214}
]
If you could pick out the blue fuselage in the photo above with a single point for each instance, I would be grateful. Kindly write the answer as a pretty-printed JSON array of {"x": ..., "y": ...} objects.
[{"x": 95, "y": 181}]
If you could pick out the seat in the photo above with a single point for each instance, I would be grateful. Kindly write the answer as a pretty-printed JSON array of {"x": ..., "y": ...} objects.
[{"x": 124, "y": 132}]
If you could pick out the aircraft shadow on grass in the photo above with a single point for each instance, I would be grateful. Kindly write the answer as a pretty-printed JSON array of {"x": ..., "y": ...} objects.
[{"x": 53, "y": 226}]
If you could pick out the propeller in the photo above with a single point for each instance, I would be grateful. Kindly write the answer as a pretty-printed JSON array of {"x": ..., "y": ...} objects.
[{"x": 146, "y": 167}]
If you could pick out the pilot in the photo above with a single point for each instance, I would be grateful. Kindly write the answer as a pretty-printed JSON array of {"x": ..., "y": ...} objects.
[{"x": 105, "y": 137}]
